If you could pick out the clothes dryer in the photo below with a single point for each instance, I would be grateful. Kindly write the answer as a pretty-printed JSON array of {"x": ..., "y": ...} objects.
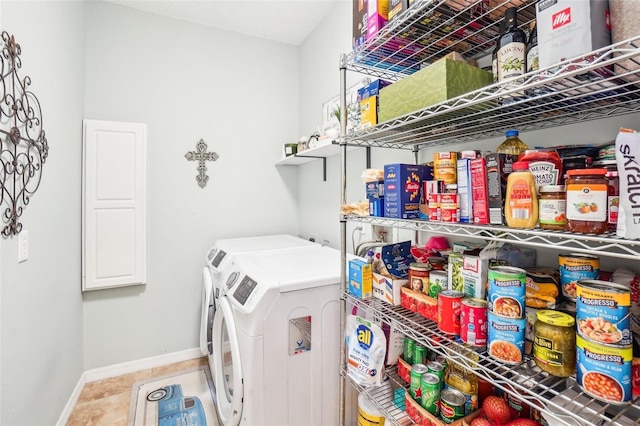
[
  {"x": 276, "y": 339},
  {"x": 217, "y": 260}
]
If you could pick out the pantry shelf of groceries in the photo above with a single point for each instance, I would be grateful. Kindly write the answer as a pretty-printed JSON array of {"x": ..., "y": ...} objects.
[
  {"x": 566, "y": 92},
  {"x": 597, "y": 85}
]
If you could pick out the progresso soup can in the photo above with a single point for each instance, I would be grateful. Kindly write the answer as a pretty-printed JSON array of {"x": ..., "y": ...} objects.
[
  {"x": 507, "y": 290},
  {"x": 506, "y": 338},
  {"x": 575, "y": 267},
  {"x": 604, "y": 371},
  {"x": 603, "y": 311}
]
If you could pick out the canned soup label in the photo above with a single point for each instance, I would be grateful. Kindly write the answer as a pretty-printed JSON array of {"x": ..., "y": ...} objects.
[
  {"x": 506, "y": 338},
  {"x": 603, "y": 314},
  {"x": 604, "y": 372},
  {"x": 574, "y": 268},
  {"x": 507, "y": 289}
]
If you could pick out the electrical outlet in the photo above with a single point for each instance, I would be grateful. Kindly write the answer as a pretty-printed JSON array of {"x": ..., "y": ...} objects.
[
  {"x": 313, "y": 238},
  {"x": 382, "y": 233},
  {"x": 23, "y": 246}
]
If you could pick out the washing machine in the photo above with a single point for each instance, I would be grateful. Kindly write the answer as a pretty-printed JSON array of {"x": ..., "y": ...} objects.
[
  {"x": 276, "y": 339},
  {"x": 217, "y": 260}
]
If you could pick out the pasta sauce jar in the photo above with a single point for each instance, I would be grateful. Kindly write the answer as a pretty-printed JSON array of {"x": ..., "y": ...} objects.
[{"x": 587, "y": 201}]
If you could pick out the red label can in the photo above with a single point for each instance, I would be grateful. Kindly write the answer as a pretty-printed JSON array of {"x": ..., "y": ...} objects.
[
  {"x": 449, "y": 207},
  {"x": 473, "y": 321},
  {"x": 434, "y": 207},
  {"x": 449, "y": 307}
]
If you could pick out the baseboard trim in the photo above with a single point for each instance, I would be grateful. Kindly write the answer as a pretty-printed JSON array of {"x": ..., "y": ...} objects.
[
  {"x": 141, "y": 364},
  {"x": 120, "y": 369},
  {"x": 73, "y": 399}
]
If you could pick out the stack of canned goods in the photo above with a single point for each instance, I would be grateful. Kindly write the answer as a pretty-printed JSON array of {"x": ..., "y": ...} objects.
[
  {"x": 427, "y": 387},
  {"x": 603, "y": 342},
  {"x": 506, "y": 316}
]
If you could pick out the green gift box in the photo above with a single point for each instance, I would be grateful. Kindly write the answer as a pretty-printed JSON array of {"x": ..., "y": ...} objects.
[{"x": 442, "y": 80}]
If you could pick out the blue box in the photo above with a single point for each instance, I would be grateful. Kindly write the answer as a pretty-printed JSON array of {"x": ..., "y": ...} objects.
[
  {"x": 371, "y": 89},
  {"x": 375, "y": 189},
  {"x": 376, "y": 207},
  {"x": 402, "y": 184},
  {"x": 360, "y": 279}
]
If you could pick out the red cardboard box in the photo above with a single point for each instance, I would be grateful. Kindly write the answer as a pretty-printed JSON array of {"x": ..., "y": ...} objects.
[{"x": 479, "y": 192}]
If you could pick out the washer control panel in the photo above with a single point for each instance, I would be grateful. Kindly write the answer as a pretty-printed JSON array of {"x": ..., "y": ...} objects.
[{"x": 244, "y": 290}]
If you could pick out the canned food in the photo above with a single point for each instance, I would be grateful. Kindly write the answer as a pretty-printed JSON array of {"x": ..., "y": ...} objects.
[
  {"x": 473, "y": 322},
  {"x": 575, "y": 267},
  {"x": 507, "y": 290},
  {"x": 604, "y": 371},
  {"x": 449, "y": 208},
  {"x": 442, "y": 360},
  {"x": 445, "y": 167},
  {"x": 525, "y": 407},
  {"x": 408, "y": 349},
  {"x": 420, "y": 354},
  {"x": 449, "y": 307},
  {"x": 417, "y": 370},
  {"x": 419, "y": 276},
  {"x": 451, "y": 405},
  {"x": 434, "y": 207},
  {"x": 438, "y": 369},
  {"x": 603, "y": 310},
  {"x": 506, "y": 338},
  {"x": 438, "y": 281},
  {"x": 430, "y": 390}
]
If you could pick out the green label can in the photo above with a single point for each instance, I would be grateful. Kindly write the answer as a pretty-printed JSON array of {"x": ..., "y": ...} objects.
[
  {"x": 430, "y": 389},
  {"x": 420, "y": 354},
  {"x": 408, "y": 349},
  {"x": 417, "y": 370},
  {"x": 438, "y": 369},
  {"x": 451, "y": 405}
]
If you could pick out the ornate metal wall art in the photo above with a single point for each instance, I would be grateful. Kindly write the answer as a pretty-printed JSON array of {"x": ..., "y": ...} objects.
[
  {"x": 201, "y": 155},
  {"x": 24, "y": 147}
]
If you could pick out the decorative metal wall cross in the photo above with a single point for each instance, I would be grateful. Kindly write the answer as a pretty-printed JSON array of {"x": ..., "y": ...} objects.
[
  {"x": 201, "y": 155},
  {"x": 23, "y": 145}
]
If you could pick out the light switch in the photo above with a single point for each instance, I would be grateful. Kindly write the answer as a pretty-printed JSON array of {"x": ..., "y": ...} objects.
[{"x": 23, "y": 246}]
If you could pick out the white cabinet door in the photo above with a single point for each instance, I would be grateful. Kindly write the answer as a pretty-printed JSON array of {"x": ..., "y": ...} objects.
[{"x": 114, "y": 237}]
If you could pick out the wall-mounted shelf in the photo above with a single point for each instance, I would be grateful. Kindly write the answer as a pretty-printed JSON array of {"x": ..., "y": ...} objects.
[{"x": 312, "y": 154}]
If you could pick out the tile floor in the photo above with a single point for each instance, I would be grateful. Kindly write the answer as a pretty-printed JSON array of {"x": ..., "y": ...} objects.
[{"x": 106, "y": 402}]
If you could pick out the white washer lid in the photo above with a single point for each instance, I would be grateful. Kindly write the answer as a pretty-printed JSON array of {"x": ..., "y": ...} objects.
[
  {"x": 292, "y": 270},
  {"x": 262, "y": 243}
]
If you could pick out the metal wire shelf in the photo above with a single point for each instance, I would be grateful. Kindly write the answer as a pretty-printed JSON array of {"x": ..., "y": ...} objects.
[
  {"x": 607, "y": 244},
  {"x": 383, "y": 396},
  {"x": 575, "y": 90},
  {"x": 429, "y": 30},
  {"x": 559, "y": 398}
]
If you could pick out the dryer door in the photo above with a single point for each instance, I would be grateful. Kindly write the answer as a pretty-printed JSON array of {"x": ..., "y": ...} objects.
[
  {"x": 227, "y": 364},
  {"x": 208, "y": 309}
]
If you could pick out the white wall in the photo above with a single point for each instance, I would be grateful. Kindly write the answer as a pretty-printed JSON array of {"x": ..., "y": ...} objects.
[
  {"x": 239, "y": 94},
  {"x": 319, "y": 201},
  {"x": 41, "y": 311}
]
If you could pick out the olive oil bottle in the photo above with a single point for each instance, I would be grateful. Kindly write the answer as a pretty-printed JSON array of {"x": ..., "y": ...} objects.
[{"x": 512, "y": 53}]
